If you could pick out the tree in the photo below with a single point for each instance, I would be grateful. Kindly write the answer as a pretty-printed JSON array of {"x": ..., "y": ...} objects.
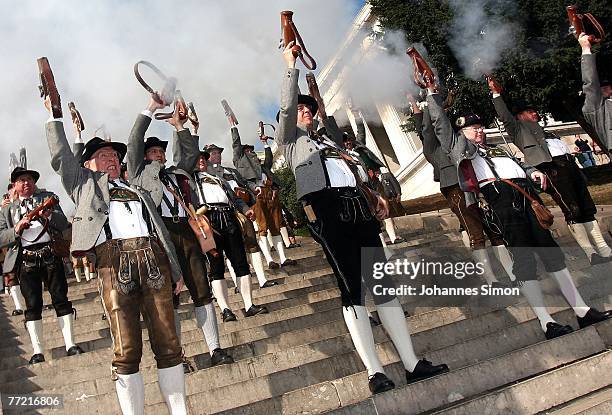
[
  {"x": 543, "y": 68},
  {"x": 288, "y": 193}
]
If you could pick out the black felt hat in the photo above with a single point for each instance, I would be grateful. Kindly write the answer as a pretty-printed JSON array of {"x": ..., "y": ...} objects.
[
  {"x": 467, "y": 120},
  {"x": 20, "y": 171},
  {"x": 155, "y": 142},
  {"x": 97, "y": 143},
  {"x": 306, "y": 100}
]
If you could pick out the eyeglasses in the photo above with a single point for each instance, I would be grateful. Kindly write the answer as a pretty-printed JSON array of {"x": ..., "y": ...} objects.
[{"x": 476, "y": 129}]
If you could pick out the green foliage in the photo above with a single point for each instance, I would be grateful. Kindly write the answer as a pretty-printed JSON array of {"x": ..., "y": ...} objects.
[
  {"x": 288, "y": 193},
  {"x": 543, "y": 68}
]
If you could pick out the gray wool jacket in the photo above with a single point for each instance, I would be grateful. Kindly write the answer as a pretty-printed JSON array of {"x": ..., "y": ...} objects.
[
  {"x": 248, "y": 165},
  {"x": 146, "y": 174},
  {"x": 445, "y": 171},
  {"x": 11, "y": 214},
  {"x": 458, "y": 148},
  {"x": 89, "y": 191},
  {"x": 527, "y": 135},
  {"x": 301, "y": 153},
  {"x": 596, "y": 109}
]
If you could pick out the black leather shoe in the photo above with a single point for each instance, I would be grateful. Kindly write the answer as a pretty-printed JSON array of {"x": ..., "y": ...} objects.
[
  {"x": 17, "y": 313},
  {"x": 187, "y": 366},
  {"x": 228, "y": 315},
  {"x": 597, "y": 259},
  {"x": 374, "y": 322},
  {"x": 220, "y": 357},
  {"x": 269, "y": 284},
  {"x": 236, "y": 290},
  {"x": 76, "y": 349},
  {"x": 103, "y": 316},
  {"x": 256, "y": 309},
  {"x": 593, "y": 316},
  {"x": 379, "y": 382},
  {"x": 424, "y": 369},
  {"x": 399, "y": 240},
  {"x": 557, "y": 330},
  {"x": 37, "y": 358},
  {"x": 273, "y": 265},
  {"x": 289, "y": 261}
]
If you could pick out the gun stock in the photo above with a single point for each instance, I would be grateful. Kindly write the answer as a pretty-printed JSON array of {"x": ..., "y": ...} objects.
[
  {"x": 313, "y": 89},
  {"x": 576, "y": 21},
  {"x": 47, "y": 86},
  {"x": 38, "y": 210},
  {"x": 179, "y": 106},
  {"x": 77, "y": 120},
  {"x": 423, "y": 75},
  {"x": 229, "y": 113},
  {"x": 291, "y": 34}
]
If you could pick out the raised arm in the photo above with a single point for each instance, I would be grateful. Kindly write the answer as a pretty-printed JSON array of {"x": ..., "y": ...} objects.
[
  {"x": 453, "y": 144},
  {"x": 590, "y": 84},
  {"x": 63, "y": 161},
  {"x": 504, "y": 114},
  {"x": 238, "y": 153},
  {"x": 185, "y": 150},
  {"x": 361, "y": 133},
  {"x": 135, "y": 149},
  {"x": 431, "y": 145},
  {"x": 287, "y": 118}
]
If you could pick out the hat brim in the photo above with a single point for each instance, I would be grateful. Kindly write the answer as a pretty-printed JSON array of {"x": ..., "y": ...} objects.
[
  {"x": 209, "y": 149},
  {"x": 35, "y": 175},
  {"x": 120, "y": 148},
  {"x": 305, "y": 100},
  {"x": 245, "y": 146}
]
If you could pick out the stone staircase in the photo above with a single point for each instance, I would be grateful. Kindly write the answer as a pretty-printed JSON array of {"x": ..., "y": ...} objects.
[{"x": 299, "y": 358}]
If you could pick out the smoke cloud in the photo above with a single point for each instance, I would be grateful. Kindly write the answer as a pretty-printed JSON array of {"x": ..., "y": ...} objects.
[
  {"x": 480, "y": 34},
  {"x": 217, "y": 49}
]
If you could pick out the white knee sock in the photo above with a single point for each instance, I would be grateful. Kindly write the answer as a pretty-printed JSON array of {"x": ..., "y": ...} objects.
[
  {"x": 245, "y": 291},
  {"x": 581, "y": 236},
  {"x": 130, "y": 391},
  {"x": 594, "y": 232},
  {"x": 358, "y": 324},
  {"x": 503, "y": 256},
  {"x": 207, "y": 321},
  {"x": 172, "y": 387},
  {"x": 570, "y": 292},
  {"x": 263, "y": 244},
  {"x": 280, "y": 247},
  {"x": 269, "y": 237},
  {"x": 87, "y": 273},
  {"x": 219, "y": 288},
  {"x": 257, "y": 263},
  {"x": 482, "y": 257},
  {"x": 231, "y": 270},
  {"x": 533, "y": 293},
  {"x": 285, "y": 234},
  {"x": 78, "y": 273},
  {"x": 177, "y": 325},
  {"x": 382, "y": 239},
  {"x": 392, "y": 318},
  {"x": 66, "y": 325},
  {"x": 35, "y": 330},
  {"x": 17, "y": 297},
  {"x": 465, "y": 237},
  {"x": 390, "y": 228}
]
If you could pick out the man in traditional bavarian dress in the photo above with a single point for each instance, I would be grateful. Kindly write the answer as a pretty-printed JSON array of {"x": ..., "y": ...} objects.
[
  {"x": 504, "y": 184},
  {"x": 567, "y": 184},
  {"x": 266, "y": 186},
  {"x": 171, "y": 189},
  {"x": 340, "y": 219},
  {"x": 382, "y": 179},
  {"x": 241, "y": 188},
  {"x": 136, "y": 264},
  {"x": 31, "y": 257},
  {"x": 471, "y": 219},
  {"x": 220, "y": 203}
]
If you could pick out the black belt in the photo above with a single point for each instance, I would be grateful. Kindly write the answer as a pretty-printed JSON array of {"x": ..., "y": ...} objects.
[
  {"x": 175, "y": 219},
  {"x": 36, "y": 247},
  {"x": 219, "y": 207}
]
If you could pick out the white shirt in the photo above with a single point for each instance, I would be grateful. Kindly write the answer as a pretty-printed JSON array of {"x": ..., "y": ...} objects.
[
  {"x": 123, "y": 223},
  {"x": 556, "y": 147},
  {"x": 233, "y": 184},
  {"x": 340, "y": 174},
  {"x": 505, "y": 167},
  {"x": 35, "y": 228},
  {"x": 165, "y": 209},
  {"x": 213, "y": 193}
]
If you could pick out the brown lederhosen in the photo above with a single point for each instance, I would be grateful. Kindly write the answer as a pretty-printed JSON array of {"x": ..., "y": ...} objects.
[
  {"x": 268, "y": 211},
  {"x": 469, "y": 219},
  {"x": 134, "y": 277},
  {"x": 249, "y": 235},
  {"x": 191, "y": 259}
]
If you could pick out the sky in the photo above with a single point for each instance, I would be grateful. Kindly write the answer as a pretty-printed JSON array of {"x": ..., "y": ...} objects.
[{"x": 217, "y": 49}]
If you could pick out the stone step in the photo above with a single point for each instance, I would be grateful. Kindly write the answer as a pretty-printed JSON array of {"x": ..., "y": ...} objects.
[
  {"x": 596, "y": 403},
  {"x": 467, "y": 382},
  {"x": 556, "y": 387}
]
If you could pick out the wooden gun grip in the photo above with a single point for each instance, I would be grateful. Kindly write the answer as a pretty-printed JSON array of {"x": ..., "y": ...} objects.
[{"x": 47, "y": 86}]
